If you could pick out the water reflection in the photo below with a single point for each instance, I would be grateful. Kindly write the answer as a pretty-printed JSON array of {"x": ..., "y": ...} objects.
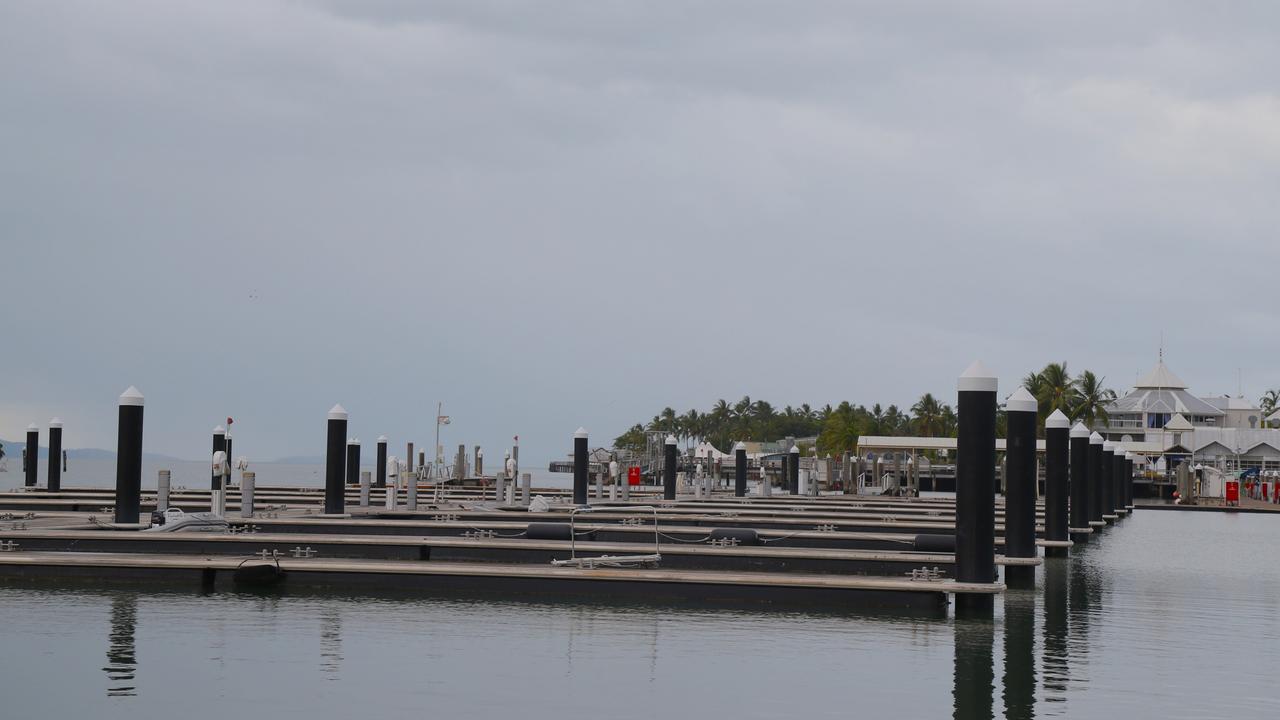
[
  {"x": 331, "y": 642},
  {"x": 1056, "y": 666},
  {"x": 1019, "y": 655},
  {"x": 974, "y": 669},
  {"x": 122, "y": 655}
]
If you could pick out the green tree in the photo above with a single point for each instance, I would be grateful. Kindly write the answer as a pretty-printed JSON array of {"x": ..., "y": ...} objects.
[
  {"x": 928, "y": 416},
  {"x": 632, "y": 439},
  {"x": 1091, "y": 399},
  {"x": 1270, "y": 402}
]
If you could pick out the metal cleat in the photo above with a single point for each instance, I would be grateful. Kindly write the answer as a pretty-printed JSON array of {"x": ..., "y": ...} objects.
[
  {"x": 8, "y": 546},
  {"x": 303, "y": 552},
  {"x": 826, "y": 527}
]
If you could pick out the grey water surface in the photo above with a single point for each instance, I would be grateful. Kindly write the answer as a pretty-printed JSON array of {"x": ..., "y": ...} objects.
[{"x": 1168, "y": 615}]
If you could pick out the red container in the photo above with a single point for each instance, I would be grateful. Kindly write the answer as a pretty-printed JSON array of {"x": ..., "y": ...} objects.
[
  {"x": 1233, "y": 491},
  {"x": 633, "y": 475}
]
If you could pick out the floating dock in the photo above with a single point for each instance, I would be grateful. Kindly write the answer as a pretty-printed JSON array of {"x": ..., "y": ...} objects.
[{"x": 835, "y": 551}]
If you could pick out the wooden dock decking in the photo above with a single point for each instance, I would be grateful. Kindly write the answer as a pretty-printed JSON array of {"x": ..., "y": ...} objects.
[{"x": 682, "y": 585}]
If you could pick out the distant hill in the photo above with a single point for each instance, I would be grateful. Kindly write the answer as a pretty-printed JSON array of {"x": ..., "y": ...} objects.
[
  {"x": 300, "y": 460},
  {"x": 14, "y": 450}
]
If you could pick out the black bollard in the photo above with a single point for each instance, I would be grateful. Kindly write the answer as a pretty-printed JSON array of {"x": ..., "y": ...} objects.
[
  {"x": 1117, "y": 472},
  {"x": 129, "y": 456},
  {"x": 975, "y": 485},
  {"x": 1129, "y": 460},
  {"x": 669, "y": 469},
  {"x": 1107, "y": 464},
  {"x": 740, "y": 469},
  {"x": 1020, "y": 486},
  {"x": 353, "y": 461},
  {"x": 1057, "y": 429},
  {"x": 580, "y": 467},
  {"x": 1080, "y": 528},
  {"x": 335, "y": 502},
  {"x": 1094, "y": 467},
  {"x": 219, "y": 446},
  {"x": 793, "y": 470},
  {"x": 55, "y": 455},
  {"x": 380, "y": 480},
  {"x": 32, "y": 455}
]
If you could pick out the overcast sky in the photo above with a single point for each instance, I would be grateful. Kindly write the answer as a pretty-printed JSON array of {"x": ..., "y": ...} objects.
[{"x": 550, "y": 214}]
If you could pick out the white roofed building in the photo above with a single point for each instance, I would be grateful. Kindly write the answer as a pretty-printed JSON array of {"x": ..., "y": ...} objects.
[
  {"x": 1162, "y": 417},
  {"x": 1155, "y": 399}
]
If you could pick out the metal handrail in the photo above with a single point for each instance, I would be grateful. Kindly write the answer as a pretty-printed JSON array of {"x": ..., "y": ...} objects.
[{"x": 609, "y": 559}]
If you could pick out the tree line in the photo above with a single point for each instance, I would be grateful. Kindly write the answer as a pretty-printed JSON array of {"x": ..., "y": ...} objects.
[{"x": 838, "y": 428}]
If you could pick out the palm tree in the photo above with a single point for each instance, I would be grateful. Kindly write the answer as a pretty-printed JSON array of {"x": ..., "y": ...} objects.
[
  {"x": 1034, "y": 383},
  {"x": 877, "y": 420},
  {"x": 895, "y": 422},
  {"x": 928, "y": 415},
  {"x": 1057, "y": 390},
  {"x": 691, "y": 427},
  {"x": 950, "y": 421},
  {"x": 1270, "y": 403},
  {"x": 1091, "y": 399}
]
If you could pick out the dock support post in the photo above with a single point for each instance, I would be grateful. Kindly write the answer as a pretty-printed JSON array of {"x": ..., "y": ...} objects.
[
  {"x": 248, "y": 482},
  {"x": 381, "y": 468},
  {"x": 55, "y": 455},
  {"x": 366, "y": 480},
  {"x": 1095, "y": 481},
  {"x": 353, "y": 461},
  {"x": 226, "y": 474},
  {"x": 740, "y": 470},
  {"x": 163, "y": 482},
  {"x": 669, "y": 469},
  {"x": 975, "y": 485},
  {"x": 1107, "y": 464},
  {"x": 219, "y": 446},
  {"x": 411, "y": 486},
  {"x": 500, "y": 487},
  {"x": 408, "y": 457},
  {"x": 31, "y": 455},
  {"x": 600, "y": 485},
  {"x": 129, "y": 456},
  {"x": 335, "y": 459},
  {"x": 1129, "y": 459},
  {"x": 1020, "y": 486},
  {"x": 580, "y": 467},
  {"x": 515, "y": 465},
  {"x": 1117, "y": 484},
  {"x": 793, "y": 470},
  {"x": 1056, "y": 457},
  {"x": 526, "y": 482},
  {"x": 1080, "y": 528},
  {"x": 389, "y": 498}
]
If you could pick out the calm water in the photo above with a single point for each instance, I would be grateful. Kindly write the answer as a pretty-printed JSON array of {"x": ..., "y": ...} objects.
[{"x": 1173, "y": 615}]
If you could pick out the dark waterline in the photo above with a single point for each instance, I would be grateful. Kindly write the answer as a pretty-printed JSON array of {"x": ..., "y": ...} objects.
[{"x": 1167, "y": 615}]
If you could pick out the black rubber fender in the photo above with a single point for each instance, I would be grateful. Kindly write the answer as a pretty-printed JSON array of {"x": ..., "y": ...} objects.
[
  {"x": 936, "y": 543},
  {"x": 744, "y": 536}
]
